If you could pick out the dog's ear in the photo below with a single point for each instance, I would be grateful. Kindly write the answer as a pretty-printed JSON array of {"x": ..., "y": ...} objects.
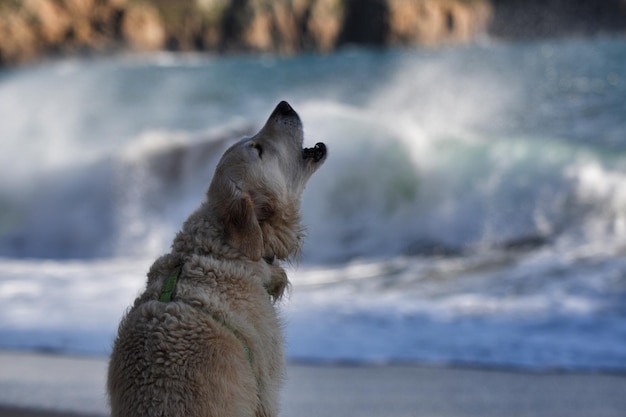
[
  {"x": 241, "y": 226},
  {"x": 235, "y": 209}
]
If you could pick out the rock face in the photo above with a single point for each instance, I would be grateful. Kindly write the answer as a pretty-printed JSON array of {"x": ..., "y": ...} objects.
[
  {"x": 141, "y": 27},
  {"x": 326, "y": 24},
  {"x": 32, "y": 28},
  {"x": 406, "y": 22}
]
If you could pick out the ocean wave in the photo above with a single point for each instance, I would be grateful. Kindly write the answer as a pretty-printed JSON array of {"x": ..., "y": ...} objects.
[{"x": 431, "y": 153}]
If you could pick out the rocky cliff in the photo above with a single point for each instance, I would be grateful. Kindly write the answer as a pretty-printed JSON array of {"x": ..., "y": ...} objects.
[{"x": 33, "y": 28}]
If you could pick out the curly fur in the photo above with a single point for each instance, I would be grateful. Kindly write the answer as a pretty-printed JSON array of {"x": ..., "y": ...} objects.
[{"x": 216, "y": 349}]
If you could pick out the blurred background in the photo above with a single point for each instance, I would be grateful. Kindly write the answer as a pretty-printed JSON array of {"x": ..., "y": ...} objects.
[{"x": 472, "y": 210}]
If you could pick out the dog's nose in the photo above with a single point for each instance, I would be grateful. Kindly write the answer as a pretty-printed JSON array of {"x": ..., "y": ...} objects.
[{"x": 283, "y": 109}]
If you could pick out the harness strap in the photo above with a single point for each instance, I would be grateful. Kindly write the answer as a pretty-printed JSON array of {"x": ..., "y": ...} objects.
[{"x": 169, "y": 286}]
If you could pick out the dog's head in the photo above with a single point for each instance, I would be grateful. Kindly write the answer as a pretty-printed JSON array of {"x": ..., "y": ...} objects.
[{"x": 257, "y": 186}]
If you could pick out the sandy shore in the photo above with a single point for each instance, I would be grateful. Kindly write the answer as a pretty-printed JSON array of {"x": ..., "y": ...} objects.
[
  {"x": 71, "y": 386},
  {"x": 26, "y": 412}
]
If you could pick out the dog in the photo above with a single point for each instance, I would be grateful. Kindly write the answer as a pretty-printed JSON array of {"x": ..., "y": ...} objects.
[{"x": 204, "y": 338}]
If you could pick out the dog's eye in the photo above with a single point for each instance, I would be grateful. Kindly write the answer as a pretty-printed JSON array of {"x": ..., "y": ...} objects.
[{"x": 258, "y": 148}]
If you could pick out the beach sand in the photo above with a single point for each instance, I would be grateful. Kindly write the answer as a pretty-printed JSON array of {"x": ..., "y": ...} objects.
[{"x": 35, "y": 385}]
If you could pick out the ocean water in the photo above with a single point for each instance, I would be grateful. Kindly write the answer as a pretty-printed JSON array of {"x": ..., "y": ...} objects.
[{"x": 472, "y": 209}]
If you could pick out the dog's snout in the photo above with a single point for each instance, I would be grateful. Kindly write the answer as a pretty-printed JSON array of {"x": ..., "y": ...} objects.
[
  {"x": 284, "y": 109},
  {"x": 283, "y": 123}
]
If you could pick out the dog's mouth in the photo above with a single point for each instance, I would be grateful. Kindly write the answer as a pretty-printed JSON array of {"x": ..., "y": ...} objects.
[{"x": 316, "y": 153}]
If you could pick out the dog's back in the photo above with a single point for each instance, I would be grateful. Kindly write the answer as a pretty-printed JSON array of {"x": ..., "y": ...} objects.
[{"x": 213, "y": 350}]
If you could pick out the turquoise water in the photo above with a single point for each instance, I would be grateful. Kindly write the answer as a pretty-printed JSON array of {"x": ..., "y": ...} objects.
[{"x": 472, "y": 209}]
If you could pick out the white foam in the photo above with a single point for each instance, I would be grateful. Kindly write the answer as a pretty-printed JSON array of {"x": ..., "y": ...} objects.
[{"x": 430, "y": 152}]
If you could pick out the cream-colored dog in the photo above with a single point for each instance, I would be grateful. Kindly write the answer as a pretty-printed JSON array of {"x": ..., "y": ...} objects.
[{"x": 204, "y": 339}]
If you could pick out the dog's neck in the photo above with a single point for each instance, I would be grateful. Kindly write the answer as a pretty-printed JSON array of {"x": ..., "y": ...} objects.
[
  {"x": 208, "y": 239},
  {"x": 169, "y": 286}
]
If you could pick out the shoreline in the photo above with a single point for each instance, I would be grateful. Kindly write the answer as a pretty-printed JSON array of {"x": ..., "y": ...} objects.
[
  {"x": 461, "y": 366},
  {"x": 7, "y": 411},
  {"x": 44, "y": 385}
]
